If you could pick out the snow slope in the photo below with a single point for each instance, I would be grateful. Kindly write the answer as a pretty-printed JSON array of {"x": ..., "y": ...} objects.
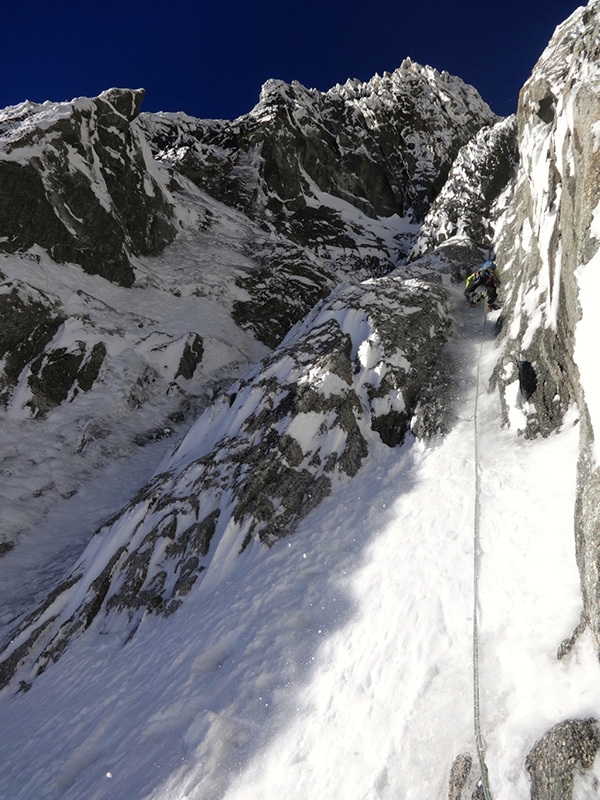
[
  {"x": 59, "y": 473},
  {"x": 339, "y": 660},
  {"x": 141, "y": 250}
]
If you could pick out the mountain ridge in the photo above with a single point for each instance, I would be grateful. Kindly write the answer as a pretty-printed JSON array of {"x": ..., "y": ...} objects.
[
  {"x": 255, "y": 279},
  {"x": 330, "y": 238}
]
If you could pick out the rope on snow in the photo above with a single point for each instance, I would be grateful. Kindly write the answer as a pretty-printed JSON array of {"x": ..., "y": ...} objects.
[{"x": 476, "y": 574}]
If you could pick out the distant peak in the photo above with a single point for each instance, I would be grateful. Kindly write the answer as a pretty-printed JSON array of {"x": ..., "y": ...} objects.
[
  {"x": 275, "y": 90},
  {"x": 126, "y": 102}
]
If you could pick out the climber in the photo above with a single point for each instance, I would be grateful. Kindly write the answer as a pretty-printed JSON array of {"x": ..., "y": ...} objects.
[{"x": 486, "y": 276}]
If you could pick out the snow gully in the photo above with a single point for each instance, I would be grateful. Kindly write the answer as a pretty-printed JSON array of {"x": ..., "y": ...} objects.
[{"x": 476, "y": 575}]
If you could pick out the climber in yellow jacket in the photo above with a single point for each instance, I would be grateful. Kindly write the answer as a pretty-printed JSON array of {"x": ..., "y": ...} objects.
[{"x": 486, "y": 276}]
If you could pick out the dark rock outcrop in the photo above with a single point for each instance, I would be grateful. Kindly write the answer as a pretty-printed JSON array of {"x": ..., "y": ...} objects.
[
  {"x": 193, "y": 350},
  {"x": 76, "y": 180},
  {"x": 30, "y": 320},
  {"x": 63, "y": 373},
  {"x": 568, "y": 746}
]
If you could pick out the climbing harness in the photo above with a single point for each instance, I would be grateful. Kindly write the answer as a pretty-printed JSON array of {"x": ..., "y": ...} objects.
[{"x": 476, "y": 568}]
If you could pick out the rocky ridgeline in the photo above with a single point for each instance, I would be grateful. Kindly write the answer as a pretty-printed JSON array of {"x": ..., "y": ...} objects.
[
  {"x": 254, "y": 220},
  {"x": 255, "y": 463},
  {"x": 315, "y": 170},
  {"x": 385, "y": 147}
]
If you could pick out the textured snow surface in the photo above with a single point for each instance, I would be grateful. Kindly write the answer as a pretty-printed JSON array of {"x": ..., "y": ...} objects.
[
  {"x": 336, "y": 662},
  {"x": 53, "y": 474}
]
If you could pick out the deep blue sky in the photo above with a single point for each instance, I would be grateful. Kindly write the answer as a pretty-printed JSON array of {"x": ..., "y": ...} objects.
[{"x": 210, "y": 57}]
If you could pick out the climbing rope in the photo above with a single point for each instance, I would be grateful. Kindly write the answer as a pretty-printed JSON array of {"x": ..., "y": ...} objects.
[{"x": 476, "y": 569}]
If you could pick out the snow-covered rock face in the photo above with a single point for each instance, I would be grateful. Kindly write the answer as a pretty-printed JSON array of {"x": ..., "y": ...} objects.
[
  {"x": 315, "y": 170},
  {"x": 271, "y": 211},
  {"x": 548, "y": 244},
  {"x": 77, "y": 180},
  {"x": 255, "y": 463},
  {"x": 547, "y": 233},
  {"x": 467, "y": 206}
]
